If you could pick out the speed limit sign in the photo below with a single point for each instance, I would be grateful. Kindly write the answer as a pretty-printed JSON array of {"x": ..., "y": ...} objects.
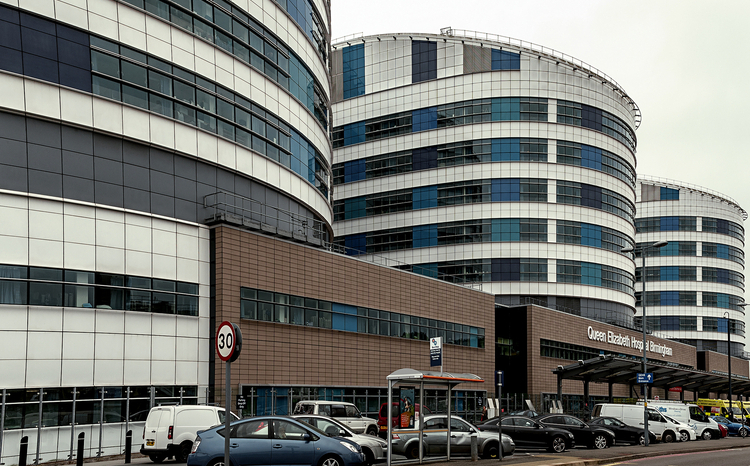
[{"x": 228, "y": 341}]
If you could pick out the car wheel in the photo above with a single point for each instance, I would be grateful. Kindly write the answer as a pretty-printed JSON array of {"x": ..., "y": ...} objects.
[
  {"x": 668, "y": 437},
  {"x": 491, "y": 451},
  {"x": 742, "y": 432},
  {"x": 706, "y": 435},
  {"x": 684, "y": 436},
  {"x": 641, "y": 439},
  {"x": 183, "y": 452},
  {"x": 599, "y": 442},
  {"x": 330, "y": 461},
  {"x": 157, "y": 458},
  {"x": 557, "y": 445},
  {"x": 372, "y": 430},
  {"x": 413, "y": 451},
  {"x": 369, "y": 457}
]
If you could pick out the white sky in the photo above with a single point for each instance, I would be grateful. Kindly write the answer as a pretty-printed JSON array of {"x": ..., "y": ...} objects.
[{"x": 684, "y": 62}]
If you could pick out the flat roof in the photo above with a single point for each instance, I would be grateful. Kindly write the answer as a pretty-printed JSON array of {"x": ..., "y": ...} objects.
[{"x": 433, "y": 376}]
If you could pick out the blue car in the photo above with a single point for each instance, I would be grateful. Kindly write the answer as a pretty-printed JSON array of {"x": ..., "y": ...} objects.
[
  {"x": 274, "y": 440},
  {"x": 734, "y": 428}
]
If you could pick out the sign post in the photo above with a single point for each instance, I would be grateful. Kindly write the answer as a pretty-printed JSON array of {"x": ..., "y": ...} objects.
[
  {"x": 228, "y": 347},
  {"x": 499, "y": 382},
  {"x": 436, "y": 352}
]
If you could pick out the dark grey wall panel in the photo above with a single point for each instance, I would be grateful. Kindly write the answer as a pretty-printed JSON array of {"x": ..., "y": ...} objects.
[
  {"x": 49, "y": 184},
  {"x": 77, "y": 164},
  {"x": 45, "y": 158},
  {"x": 61, "y": 161}
]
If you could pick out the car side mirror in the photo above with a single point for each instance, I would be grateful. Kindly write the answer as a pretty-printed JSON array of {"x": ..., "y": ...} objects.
[
  {"x": 306, "y": 437},
  {"x": 343, "y": 433}
]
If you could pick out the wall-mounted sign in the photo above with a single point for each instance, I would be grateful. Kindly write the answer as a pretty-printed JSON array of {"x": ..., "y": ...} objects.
[
  {"x": 628, "y": 341},
  {"x": 436, "y": 351}
]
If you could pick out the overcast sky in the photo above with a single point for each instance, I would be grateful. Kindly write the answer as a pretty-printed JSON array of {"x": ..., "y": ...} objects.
[{"x": 685, "y": 63}]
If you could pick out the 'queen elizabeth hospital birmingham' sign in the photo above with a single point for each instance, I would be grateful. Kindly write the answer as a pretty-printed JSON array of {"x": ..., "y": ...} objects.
[{"x": 635, "y": 342}]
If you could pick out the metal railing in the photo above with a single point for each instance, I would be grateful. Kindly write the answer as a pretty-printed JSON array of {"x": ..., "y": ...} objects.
[
  {"x": 667, "y": 183},
  {"x": 233, "y": 208}
]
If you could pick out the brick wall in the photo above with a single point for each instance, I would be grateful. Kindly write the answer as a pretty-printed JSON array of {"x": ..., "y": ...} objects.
[{"x": 274, "y": 353}]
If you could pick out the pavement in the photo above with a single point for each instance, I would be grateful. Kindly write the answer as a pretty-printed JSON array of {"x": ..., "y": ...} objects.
[{"x": 575, "y": 457}]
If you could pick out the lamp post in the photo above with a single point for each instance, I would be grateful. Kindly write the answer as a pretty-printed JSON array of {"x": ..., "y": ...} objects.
[
  {"x": 643, "y": 248},
  {"x": 729, "y": 362}
]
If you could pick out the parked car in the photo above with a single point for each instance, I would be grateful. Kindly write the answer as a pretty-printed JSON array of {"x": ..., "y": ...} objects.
[
  {"x": 170, "y": 430},
  {"x": 383, "y": 415},
  {"x": 374, "y": 448},
  {"x": 661, "y": 425},
  {"x": 523, "y": 412},
  {"x": 528, "y": 433},
  {"x": 623, "y": 432},
  {"x": 346, "y": 413},
  {"x": 275, "y": 441},
  {"x": 591, "y": 436},
  {"x": 435, "y": 439}
]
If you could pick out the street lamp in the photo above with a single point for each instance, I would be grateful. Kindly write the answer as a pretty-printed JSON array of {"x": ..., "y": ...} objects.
[
  {"x": 729, "y": 362},
  {"x": 643, "y": 247}
]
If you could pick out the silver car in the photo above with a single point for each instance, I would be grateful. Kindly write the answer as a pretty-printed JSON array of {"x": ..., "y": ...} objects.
[
  {"x": 406, "y": 442},
  {"x": 373, "y": 447}
]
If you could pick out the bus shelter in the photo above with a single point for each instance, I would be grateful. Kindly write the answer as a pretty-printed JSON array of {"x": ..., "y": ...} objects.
[{"x": 422, "y": 379}]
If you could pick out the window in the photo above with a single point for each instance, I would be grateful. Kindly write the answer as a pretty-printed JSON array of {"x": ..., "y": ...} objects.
[
  {"x": 534, "y": 109},
  {"x": 252, "y": 429},
  {"x": 285, "y": 430}
]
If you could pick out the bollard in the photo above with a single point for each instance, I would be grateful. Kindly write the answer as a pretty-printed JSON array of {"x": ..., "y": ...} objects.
[
  {"x": 128, "y": 445},
  {"x": 23, "y": 451},
  {"x": 474, "y": 452},
  {"x": 79, "y": 458}
]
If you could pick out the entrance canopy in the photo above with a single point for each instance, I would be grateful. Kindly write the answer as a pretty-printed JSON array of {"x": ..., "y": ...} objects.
[
  {"x": 620, "y": 370},
  {"x": 413, "y": 376}
]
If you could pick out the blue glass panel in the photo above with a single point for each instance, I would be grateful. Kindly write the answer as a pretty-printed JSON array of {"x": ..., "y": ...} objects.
[
  {"x": 38, "y": 43},
  {"x": 354, "y": 133},
  {"x": 7, "y": 14},
  {"x": 503, "y": 60},
  {"x": 591, "y": 157},
  {"x": 506, "y": 229},
  {"x": 351, "y": 323},
  {"x": 722, "y": 226},
  {"x": 591, "y": 274},
  {"x": 669, "y": 194},
  {"x": 356, "y": 244},
  {"x": 76, "y": 78},
  {"x": 723, "y": 300},
  {"x": 671, "y": 249},
  {"x": 74, "y": 54},
  {"x": 424, "y": 236},
  {"x": 506, "y": 150},
  {"x": 424, "y": 198},
  {"x": 64, "y": 32},
  {"x": 339, "y": 322},
  {"x": 670, "y": 298},
  {"x": 506, "y": 270},
  {"x": 506, "y": 109},
  {"x": 722, "y": 251},
  {"x": 354, "y": 70},
  {"x": 670, "y": 322},
  {"x": 506, "y": 190},
  {"x": 591, "y": 235},
  {"x": 669, "y": 273},
  {"x": 669, "y": 224},
  {"x": 722, "y": 275},
  {"x": 424, "y": 119},
  {"x": 424, "y": 158},
  {"x": 40, "y": 68},
  {"x": 723, "y": 326},
  {"x": 354, "y": 170}
]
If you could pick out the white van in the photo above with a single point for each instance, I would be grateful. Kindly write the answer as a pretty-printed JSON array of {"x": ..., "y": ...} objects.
[
  {"x": 346, "y": 413},
  {"x": 663, "y": 428},
  {"x": 170, "y": 430},
  {"x": 690, "y": 414}
]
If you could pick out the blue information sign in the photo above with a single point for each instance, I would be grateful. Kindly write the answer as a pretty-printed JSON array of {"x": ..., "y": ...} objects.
[{"x": 648, "y": 377}]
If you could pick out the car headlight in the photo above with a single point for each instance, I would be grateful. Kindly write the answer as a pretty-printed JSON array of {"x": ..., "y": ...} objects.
[{"x": 349, "y": 446}]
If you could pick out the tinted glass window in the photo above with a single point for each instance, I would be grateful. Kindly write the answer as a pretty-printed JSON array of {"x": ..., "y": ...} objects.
[
  {"x": 352, "y": 411},
  {"x": 459, "y": 426},
  {"x": 571, "y": 421},
  {"x": 287, "y": 430},
  {"x": 338, "y": 411},
  {"x": 252, "y": 429}
]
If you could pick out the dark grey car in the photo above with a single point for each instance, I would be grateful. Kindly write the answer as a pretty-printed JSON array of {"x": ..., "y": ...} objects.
[{"x": 406, "y": 442}]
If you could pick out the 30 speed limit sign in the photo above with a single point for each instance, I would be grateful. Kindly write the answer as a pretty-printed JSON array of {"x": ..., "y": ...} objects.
[{"x": 228, "y": 341}]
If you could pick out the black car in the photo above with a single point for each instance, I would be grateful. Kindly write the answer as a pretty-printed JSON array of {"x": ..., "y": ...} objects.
[
  {"x": 623, "y": 432},
  {"x": 526, "y": 433},
  {"x": 591, "y": 436}
]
